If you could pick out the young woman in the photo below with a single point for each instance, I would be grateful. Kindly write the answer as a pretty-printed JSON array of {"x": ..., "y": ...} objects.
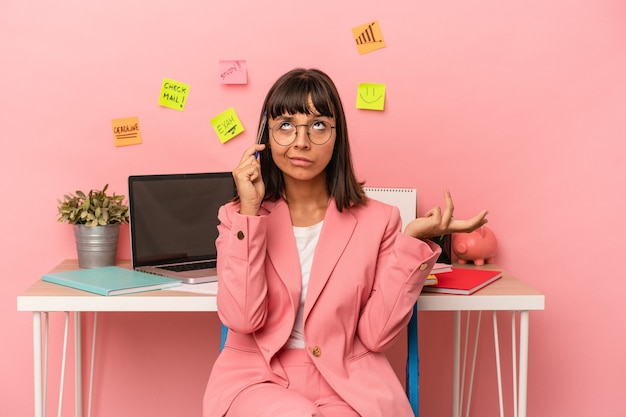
[{"x": 316, "y": 280}]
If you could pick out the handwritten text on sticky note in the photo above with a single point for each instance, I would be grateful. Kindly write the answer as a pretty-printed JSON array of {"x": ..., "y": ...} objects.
[
  {"x": 368, "y": 37},
  {"x": 126, "y": 131},
  {"x": 233, "y": 72},
  {"x": 173, "y": 94},
  {"x": 371, "y": 96},
  {"x": 227, "y": 125}
]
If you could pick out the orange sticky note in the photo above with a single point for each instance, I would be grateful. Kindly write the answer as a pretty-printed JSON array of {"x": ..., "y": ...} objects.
[
  {"x": 126, "y": 131},
  {"x": 368, "y": 37}
]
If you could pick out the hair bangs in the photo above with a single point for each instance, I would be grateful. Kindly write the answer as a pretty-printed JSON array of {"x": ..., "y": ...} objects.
[{"x": 296, "y": 95}]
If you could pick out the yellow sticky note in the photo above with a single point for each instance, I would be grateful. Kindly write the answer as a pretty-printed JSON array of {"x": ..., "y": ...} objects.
[
  {"x": 371, "y": 96},
  {"x": 227, "y": 125},
  {"x": 126, "y": 131},
  {"x": 368, "y": 37},
  {"x": 173, "y": 94}
]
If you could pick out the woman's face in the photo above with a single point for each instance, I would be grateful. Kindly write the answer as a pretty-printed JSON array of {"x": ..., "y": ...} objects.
[{"x": 302, "y": 159}]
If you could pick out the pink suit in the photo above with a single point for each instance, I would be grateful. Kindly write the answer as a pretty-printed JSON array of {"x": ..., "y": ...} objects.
[{"x": 365, "y": 279}]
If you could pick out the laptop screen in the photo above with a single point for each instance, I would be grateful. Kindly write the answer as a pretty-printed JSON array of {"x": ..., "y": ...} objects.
[{"x": 173, "y": 217}]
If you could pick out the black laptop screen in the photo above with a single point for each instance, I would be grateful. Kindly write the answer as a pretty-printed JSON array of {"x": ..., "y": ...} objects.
[{"x": 173, "y": 218}]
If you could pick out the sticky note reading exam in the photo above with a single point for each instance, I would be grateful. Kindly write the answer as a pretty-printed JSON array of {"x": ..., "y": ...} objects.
[
  {"x": 371, "y": 96},
  {"x": 227, "y": 125},
  {"x": 233, "y": 72},
  {"x": 368, "y": 37},
  {"x": 173, "y": 94},
  {"x": 126, "y": 131}
]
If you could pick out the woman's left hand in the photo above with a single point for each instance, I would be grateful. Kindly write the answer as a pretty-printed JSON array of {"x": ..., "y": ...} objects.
[{"x": 437, "y": 223}]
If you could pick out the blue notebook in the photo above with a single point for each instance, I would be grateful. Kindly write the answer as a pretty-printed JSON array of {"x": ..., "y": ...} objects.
[{"x": 110, "y": 280}]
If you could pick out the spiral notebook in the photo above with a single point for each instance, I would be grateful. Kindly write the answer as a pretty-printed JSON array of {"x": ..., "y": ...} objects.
[
  {"x": 406, "y": 201},
  {"x": 403, "y": 198}
]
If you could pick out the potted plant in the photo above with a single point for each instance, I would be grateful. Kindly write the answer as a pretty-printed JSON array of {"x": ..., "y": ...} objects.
[{"x": 96, "y": 217}]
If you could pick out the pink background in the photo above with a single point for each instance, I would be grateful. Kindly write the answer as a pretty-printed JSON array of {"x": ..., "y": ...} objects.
[{"x": 517, "y": 106}]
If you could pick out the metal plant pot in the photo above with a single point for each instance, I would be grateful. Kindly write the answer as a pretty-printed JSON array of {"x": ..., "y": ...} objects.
[{"x": 96, "y": 246}]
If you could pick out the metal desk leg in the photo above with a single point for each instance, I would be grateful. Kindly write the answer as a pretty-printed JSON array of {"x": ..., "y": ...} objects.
[
  {"x": 78, "y": 382},
  {"x": 496, "y": 341},
  {"x": 514, "y": 363},
  {"x": 523, "y": 362},
  {"x": 456, "y": 369},
  {"x": 521, "y": 392},
  {"x": 39, "y": 406}
]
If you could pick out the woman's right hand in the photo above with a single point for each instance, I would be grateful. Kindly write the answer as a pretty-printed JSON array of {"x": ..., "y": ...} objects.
[{"x": 250, "y": 186}]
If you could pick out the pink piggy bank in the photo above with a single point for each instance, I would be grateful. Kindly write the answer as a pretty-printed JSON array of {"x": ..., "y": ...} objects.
[{"x": 478, "y": 246}]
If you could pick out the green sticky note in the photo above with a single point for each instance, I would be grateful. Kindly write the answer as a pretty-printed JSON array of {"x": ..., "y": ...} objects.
[
  {"x": 173, "y": 94},
  {"x": 227, "y": 125},
  {"x": 371, "y": 96}
]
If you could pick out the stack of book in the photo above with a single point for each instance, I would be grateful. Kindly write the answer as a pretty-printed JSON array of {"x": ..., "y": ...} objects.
[
  {"x": 439, "y": 268},
  {"x": 462, "y": 281}
]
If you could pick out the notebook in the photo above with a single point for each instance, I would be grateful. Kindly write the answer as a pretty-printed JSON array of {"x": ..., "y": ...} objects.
[
  {"x": 173, "y": 223},
  {"x": 110, "y": 280},
  {"x": 464, "y": 281},
  {"x": 406, "y": 201},
  {"x": 403, "y": 198}
]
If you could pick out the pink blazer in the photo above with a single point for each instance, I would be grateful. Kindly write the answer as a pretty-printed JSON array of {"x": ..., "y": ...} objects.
[{"x": 365, "y": 278}]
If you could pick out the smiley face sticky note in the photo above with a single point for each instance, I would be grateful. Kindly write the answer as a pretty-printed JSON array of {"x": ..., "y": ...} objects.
[
  {"x": 173, "y": 94},
  {"x": 233, "y": 72},
  {"x": 126, "y": 131},
  {"x": 227, "y": 125},
  {"x": 371, "y": 96},
  {"x": 368, "y": 37}
]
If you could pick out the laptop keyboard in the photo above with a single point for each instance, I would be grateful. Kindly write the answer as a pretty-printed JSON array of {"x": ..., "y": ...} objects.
[{"x": 190, "y": 267}]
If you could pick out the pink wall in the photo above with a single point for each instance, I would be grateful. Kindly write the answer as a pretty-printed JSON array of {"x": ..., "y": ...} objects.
[{"x": 516, "y": 106}]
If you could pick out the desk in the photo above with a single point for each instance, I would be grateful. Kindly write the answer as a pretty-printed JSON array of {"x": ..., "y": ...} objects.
[{"x": 506, "y": 294}]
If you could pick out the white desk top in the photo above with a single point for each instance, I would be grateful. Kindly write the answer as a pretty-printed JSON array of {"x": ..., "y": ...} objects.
[
  {"x": 46, "y": 296},
  {"x": 508, "y": 293}
]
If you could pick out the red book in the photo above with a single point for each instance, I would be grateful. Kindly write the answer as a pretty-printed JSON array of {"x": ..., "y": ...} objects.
[{"x": 463, "y": 281}]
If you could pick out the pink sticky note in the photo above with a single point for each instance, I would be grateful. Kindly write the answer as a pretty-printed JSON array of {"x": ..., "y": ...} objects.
[{"x": 233, "y": 72}]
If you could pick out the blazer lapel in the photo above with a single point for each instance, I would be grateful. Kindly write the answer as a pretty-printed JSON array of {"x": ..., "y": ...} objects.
[
  {"x": 336, "y": 233},
  {"x": 282, "y": 250},
  {"x": 283, "y": 253}
]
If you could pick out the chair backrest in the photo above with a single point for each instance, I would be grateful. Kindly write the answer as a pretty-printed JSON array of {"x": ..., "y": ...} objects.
[{"x": 412, "y": 361}]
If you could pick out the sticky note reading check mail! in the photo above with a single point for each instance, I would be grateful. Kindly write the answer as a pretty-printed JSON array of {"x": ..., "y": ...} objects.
[{"x": 173, "y": 94}]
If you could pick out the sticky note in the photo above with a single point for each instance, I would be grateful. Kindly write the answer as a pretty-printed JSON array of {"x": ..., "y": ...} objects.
[
  {"x": 371, "y": 96},
  {"x": 227, "y": 125},
  {"x": 368, "y": 37},
  {"x": 126, "y": 131},
  {"x": 233, "y": 72},
  {"x": 173, "y": 94}
]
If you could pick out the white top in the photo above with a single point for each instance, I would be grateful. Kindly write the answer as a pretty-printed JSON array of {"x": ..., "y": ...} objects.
[{"x": 306, "y": 241}]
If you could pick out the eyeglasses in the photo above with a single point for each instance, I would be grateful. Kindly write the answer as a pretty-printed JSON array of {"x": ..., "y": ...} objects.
[{"x": 318, "y": 132}]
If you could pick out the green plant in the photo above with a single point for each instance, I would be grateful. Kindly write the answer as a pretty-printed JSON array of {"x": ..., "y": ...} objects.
[{"x": 93, "y": 209}]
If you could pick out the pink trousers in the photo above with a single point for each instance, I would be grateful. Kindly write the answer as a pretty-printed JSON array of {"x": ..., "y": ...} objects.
[{"x": 308, "y": 394}]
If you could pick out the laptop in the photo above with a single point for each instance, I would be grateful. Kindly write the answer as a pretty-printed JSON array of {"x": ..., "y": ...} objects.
[{"x": 173, "y": 223}]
